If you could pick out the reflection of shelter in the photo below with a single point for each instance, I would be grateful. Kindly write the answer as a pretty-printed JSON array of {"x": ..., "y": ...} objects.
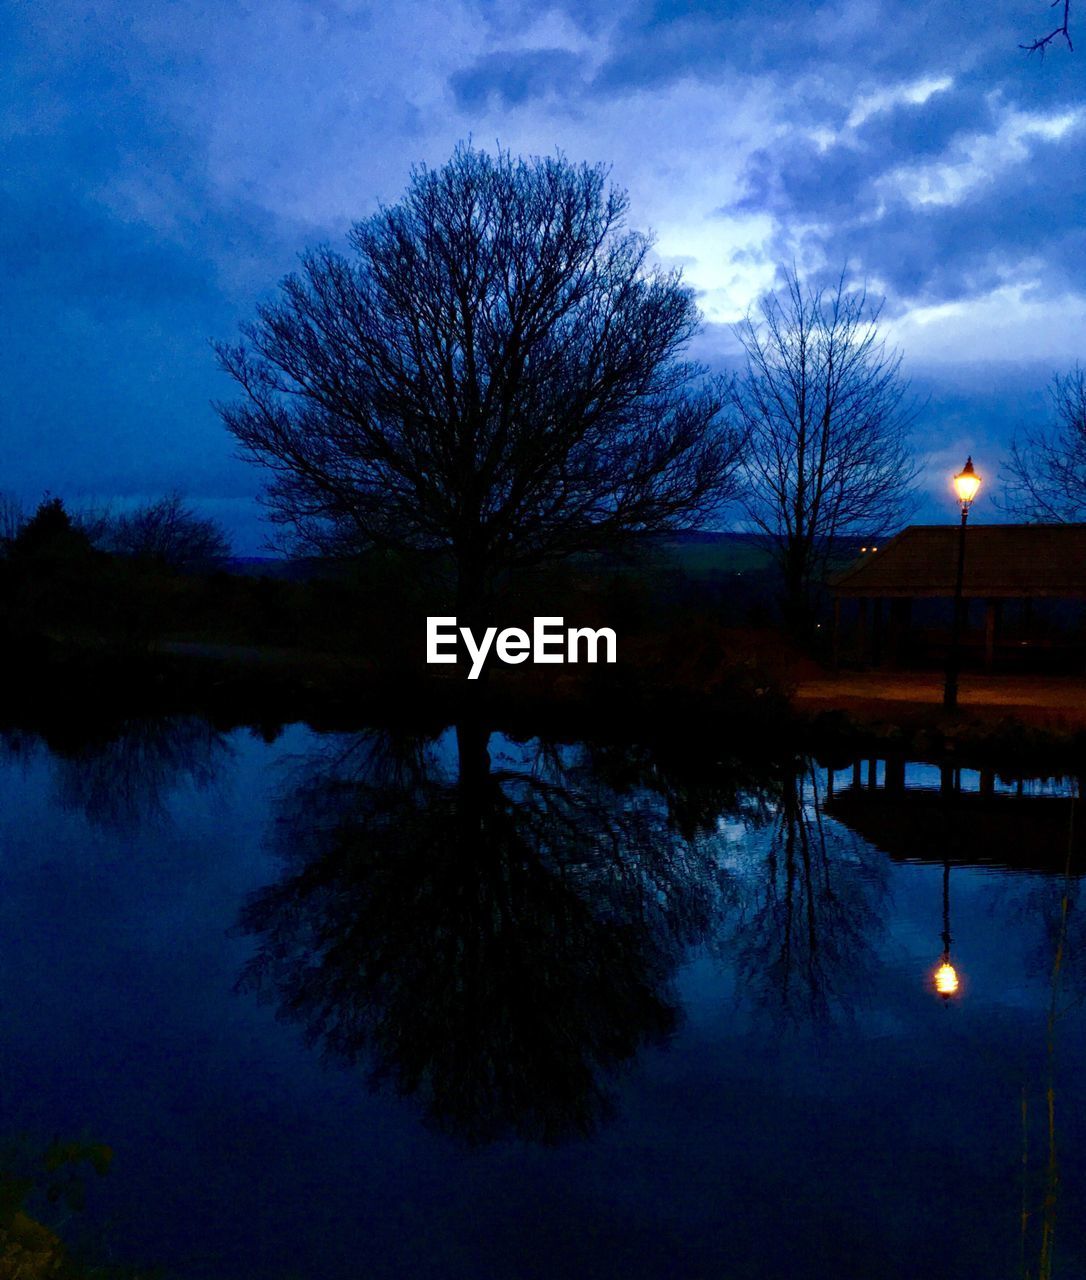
[
  {"x": 1023, "y": 596},
  {"x": 949, "y": 824}
]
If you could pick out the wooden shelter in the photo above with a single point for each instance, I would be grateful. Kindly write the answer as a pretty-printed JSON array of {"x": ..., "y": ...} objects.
[{"x": 1003, "y": 562}]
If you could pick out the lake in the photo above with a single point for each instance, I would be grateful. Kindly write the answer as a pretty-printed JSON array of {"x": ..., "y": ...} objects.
[{"x": 376, "y": 1005}]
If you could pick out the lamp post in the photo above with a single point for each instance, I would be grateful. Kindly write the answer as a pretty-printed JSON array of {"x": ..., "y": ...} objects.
[{"x": 966, "y": 484}]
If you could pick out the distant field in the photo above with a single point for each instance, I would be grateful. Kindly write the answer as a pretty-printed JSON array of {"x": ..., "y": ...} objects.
[
  {"x": 695, "y": 556},
  {"x": 724, "y": 555},
  {"x": 715, "y": 555}
]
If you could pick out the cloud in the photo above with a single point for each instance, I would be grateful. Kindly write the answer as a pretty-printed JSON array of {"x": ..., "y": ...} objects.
[
  {"x": 940, "y": 200},
  {"x": 913, "y": 94},
  {"x": 978, "y": 158},
  {"x": 1005, "y": 324},
  {"x": 513, "y": 78}
]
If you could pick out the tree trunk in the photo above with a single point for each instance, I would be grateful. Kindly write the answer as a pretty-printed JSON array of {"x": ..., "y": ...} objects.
[
  {"x": 797, "y": 609},
  {"x": 473, "y": 606},
  {"x": 473, "y": 757}
]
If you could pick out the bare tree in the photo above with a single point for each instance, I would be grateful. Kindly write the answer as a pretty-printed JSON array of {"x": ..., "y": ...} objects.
[
  {"x": 97, "y": 522},
  {"x": 824, "y": 403},
  {"x": 1061, "y": 32},
  {"x": 12, "y": 517},
  {"x": 1045, "y": 476},
  {"x": 167, "y": 531},
  {"x": 496, "y": 374}
]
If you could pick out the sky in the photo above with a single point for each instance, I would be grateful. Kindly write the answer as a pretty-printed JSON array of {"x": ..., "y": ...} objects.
[{"x": 165, "y": 162}]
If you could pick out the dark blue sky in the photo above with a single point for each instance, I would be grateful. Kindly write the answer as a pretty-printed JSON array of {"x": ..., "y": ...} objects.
[{"x": 165, "y": 161}]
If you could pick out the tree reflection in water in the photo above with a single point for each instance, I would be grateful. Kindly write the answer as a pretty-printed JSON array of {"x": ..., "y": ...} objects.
[
  {"x": 492, "y": 940},
  {"x": 122, "y": 779},
  {"x": 495, "y": 938},
  {"x": 809, "y": 910}
]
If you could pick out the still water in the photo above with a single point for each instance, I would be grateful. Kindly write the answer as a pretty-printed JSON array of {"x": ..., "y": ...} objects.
[{"x": 373, "y": 1006}]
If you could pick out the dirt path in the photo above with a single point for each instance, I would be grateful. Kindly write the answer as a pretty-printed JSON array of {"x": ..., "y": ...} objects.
[{"x": 1050, "y": 700}]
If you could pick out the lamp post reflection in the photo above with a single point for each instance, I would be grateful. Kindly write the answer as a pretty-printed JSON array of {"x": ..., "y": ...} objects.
[{"x": 946, "y": 979}]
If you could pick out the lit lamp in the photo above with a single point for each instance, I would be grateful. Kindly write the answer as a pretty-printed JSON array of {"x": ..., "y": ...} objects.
[{"x": 966, "y": 484}]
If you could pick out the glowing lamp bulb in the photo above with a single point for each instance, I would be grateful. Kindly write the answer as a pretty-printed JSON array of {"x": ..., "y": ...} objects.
[
  {"x": 946, "y": 980},
  {"x": 966, "y": 483}
]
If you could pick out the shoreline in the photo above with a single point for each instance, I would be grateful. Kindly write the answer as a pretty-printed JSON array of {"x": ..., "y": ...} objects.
[{"x": 1027, "y": 723}]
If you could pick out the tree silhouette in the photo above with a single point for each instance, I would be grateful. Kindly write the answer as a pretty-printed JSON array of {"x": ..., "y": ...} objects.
[
  {"x": 1045, "y": 476},
  {"x": 49, "y": 535},
  {"x": 824, "y": 403},
  {"x": 497, "y": 374},
  {"x": 167, "y": 532},
  {"x": 12, "y": 518}
]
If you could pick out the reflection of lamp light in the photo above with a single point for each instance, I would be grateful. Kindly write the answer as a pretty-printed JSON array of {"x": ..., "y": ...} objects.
[
  {"x": 966, "y": 484},
  {"x": 946, "y": 977}
]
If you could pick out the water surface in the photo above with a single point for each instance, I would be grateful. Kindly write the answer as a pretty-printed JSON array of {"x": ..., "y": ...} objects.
[{"x": 375, "y": 1005}]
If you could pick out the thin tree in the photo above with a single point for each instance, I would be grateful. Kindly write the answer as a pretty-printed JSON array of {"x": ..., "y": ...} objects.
[
  {"x": 1044, "y": 479},
  {"x": 12, "y": 518},
  {"x": 824, "y": 404},
  {"x": 496, "y": 373}
]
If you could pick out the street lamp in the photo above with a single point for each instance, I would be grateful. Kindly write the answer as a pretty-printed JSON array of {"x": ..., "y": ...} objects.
[{"x": 966, "y": 484}]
